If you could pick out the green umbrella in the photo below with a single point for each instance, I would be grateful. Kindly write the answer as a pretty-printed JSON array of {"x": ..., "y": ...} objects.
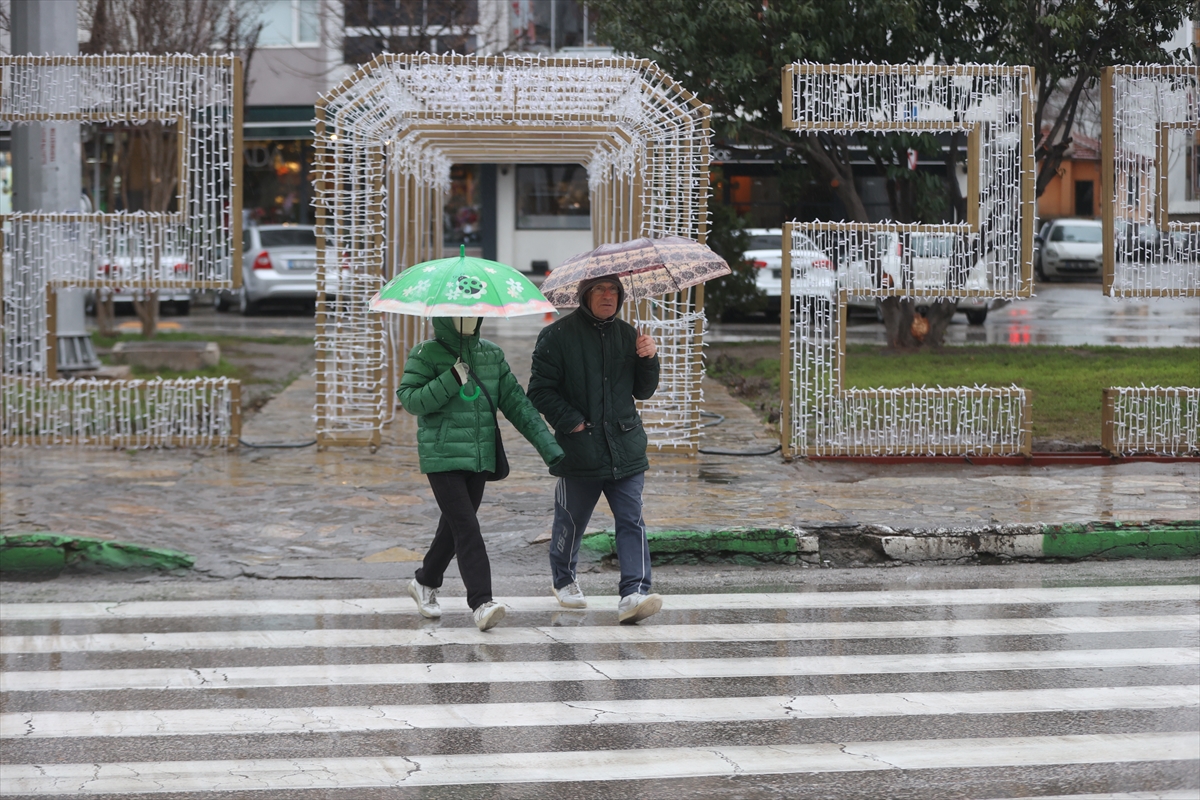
[{"x": 460, "y": 287}]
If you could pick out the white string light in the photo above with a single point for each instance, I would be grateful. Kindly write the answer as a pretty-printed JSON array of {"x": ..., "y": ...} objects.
[
  {"x": 384, "y": 150},
  {"x": 191, "y": 247}
]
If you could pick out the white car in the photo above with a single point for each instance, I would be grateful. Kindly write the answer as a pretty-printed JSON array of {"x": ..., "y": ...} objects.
[
  {"x": 818, "y": 274},
  {"x": 923, "y": 261},
  {"x": 170, "y": 266},
  {"x": 1070, "y": 247},
  {"x": 279, "y": 262}
]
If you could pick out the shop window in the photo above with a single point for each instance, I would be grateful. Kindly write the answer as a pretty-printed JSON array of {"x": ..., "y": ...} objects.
[
  {"x": 289, "y": 23},
  {"x": 553, "y": 196},
  {"x": 277, "y": 181},
  {"x": 462, "y": 213}
]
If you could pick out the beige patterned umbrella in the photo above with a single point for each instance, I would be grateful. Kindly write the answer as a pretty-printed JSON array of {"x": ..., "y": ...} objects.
[{"x": 645, "y": 267}]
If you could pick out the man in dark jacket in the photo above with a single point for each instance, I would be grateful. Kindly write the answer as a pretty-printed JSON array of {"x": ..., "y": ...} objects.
[{"x": 588, "y": 368}]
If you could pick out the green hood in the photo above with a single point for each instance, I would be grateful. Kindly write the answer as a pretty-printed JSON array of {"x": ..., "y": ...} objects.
[{"x": 444, "y": 331}]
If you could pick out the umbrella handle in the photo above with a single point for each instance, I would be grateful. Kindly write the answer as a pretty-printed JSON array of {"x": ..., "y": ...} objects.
[{"x": 462, "y": 392}]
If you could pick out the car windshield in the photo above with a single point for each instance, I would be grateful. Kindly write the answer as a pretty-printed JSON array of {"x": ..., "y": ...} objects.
[
  {"x": 288, "y": 237},
  {"x": 765, "y": 241},
  {"x": 931, "y": 246},
  {"x": 1076, "y": 233}
]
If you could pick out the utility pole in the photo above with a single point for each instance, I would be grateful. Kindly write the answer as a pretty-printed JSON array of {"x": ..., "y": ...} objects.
[{"x": 47, "y": 161}]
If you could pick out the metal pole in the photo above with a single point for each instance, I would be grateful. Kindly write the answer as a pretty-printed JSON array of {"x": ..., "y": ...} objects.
[
  {"x": 553, "y": 7},
  {"x": 47, "y": 165},
  {"x": 585, "y": 26}
]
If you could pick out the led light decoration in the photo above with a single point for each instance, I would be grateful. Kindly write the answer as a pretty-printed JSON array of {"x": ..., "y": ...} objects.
[
  {"x": 988, "y": 255},
  {"x": 1149, "y": 150},
  {"x": 385, "y": 141},
  {"x": 200, "y": 97}
]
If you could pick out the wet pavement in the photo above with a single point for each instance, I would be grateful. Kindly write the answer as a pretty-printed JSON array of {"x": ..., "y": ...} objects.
[
  {"x": 349, "y": 513},
  {"x": 1037, "y": 680},
  {"x": 1059, "y": 314}
]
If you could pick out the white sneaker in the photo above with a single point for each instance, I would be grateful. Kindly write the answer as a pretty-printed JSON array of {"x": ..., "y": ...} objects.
[
  {"x": 636, "y": 607},
  {"x": 570, "y": 596},
  {"x": 487, "y": 615},
  {"x": 426, "y": 599}
]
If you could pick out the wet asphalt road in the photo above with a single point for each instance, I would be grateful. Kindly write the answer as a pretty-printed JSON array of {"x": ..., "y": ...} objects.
[{"x": 1060, "y": 313}]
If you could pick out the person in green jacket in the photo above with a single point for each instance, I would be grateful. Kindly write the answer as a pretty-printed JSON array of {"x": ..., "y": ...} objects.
[
  {"x": 588, "y": 369},
  {"x": 450, "y": 383}
]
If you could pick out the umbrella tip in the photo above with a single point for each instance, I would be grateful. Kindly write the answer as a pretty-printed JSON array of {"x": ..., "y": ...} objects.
[{"x": 462, "y": 250}]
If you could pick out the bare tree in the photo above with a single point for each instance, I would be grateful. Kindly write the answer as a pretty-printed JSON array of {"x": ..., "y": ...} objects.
[{"x": 161, "y": 27}]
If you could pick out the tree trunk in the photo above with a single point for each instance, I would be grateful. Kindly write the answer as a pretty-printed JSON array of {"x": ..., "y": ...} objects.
[
  {"x": 105, "y": 313},
  {"x": 146, "y": 307}
]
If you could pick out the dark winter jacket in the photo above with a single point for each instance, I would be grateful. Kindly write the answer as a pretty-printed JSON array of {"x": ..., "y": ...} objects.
[
  {"x": 453, "y": 433},
  {"x": 586, "y": 370}
]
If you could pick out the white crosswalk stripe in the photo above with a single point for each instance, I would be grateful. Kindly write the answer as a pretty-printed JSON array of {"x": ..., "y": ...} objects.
[{"x": 740, "y": 687}]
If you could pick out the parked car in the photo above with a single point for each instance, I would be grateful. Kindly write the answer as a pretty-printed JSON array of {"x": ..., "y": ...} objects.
[
  {"x": 818, "y": 274},
  {"x": 279, "y": 262},
  {"x": 1069, "y": 247},
  {"x": 170, "y": 265},
  {"x": 923, "y": 261}
]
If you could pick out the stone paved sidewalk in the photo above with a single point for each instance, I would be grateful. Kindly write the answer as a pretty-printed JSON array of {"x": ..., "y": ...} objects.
[
  {"x": 347, "y": 513},
  {"x": 343, "y": 513}
]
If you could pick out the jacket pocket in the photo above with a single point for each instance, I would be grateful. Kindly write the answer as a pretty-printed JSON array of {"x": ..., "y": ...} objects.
[
  {"x": 443, "y": 429},
  {"x": 629, "y": 423}
]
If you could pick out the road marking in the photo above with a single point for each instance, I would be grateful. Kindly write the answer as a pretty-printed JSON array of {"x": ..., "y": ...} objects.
[
  {"x": 375, "y": 718},
  {"x": 697, "y": 602},
  {"x": 583, "y": 670},
  {"x": 740, "y": 632},
  {"x": 600, "y": 765}
]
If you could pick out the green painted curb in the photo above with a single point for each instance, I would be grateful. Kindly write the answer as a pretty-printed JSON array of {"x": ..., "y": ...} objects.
[
  {"x": 1169, "y": 540},
  {"x": 737, "y": 544},
  {"x": 45, "y": 552}
]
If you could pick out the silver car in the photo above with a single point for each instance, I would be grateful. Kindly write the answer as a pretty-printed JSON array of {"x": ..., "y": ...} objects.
[{"x": 279, "y": 262}]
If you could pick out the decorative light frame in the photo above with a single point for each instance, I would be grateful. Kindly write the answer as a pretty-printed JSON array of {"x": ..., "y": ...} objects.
[
  {"x": 47, "y": 251},
  {"x": 385, "y": 141},
  {"x": 989, "y": 255},
  {"x": 1141, "y": 105}
]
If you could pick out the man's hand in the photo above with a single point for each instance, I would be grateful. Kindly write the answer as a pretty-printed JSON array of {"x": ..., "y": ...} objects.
[
  {"x": 579, "y": 427},
  {"x": 645, "y": 346},
  {"x": 460, "y": 373}
]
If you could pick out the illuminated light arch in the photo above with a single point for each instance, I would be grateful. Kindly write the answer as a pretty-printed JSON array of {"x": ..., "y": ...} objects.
[
  {"x": 385, "y": 141},
  {"x": 1151, "y": 119},
  {"x": 44, "y": 252},
  {"x": 989, "y": 255}
]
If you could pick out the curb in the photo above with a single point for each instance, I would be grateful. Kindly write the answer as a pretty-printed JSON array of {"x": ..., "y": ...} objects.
[
  {"x": 1156, "y": 540},
  {"x": 47, "y": 554},
  {"x": 860, "y": 545},
  {"x": 739, "y": 545}
]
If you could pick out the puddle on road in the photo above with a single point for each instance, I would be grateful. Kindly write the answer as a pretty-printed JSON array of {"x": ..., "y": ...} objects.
[{"x": 716, "y": 476}]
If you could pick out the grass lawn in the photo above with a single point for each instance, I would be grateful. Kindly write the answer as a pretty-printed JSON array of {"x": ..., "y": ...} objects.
[
  {"x": 264, "y": 364},
  {"x": 1064, "y": 383}
]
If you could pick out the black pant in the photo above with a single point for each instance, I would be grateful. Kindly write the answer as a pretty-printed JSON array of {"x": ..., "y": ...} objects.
[{"x": 458, "y": 495}]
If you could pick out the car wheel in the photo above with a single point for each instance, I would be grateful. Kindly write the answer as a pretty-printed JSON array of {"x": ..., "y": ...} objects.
[
  {"x": 182, "y": 307},
  {"x": 977, "y": 317},
  {"x": 221, "y": 302},
  {"x": 1038, "y": 272},
  {"x": 245, "y": 304}
]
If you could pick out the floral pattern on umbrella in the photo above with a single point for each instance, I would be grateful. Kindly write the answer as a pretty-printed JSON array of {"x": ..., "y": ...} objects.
[
  {"x": 460, "y": 287},
  {"x": 646, "y": 268}
]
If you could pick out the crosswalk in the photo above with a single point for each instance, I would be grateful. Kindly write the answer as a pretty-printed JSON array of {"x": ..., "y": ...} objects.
[{"x": 1083, "y": 692}]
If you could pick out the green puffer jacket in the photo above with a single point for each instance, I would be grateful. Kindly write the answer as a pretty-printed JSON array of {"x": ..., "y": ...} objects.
[
  {"x": 586, "y": 370},
  {"x": 453, "y": 433}
]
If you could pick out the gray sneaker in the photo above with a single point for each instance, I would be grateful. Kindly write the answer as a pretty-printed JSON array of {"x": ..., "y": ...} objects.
[
  {"x": 570, "y": 596},
  {"x": 636, "y": 607},
  {"x": 487, "y": 615},
  {"x": 426, "y": 599}
]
